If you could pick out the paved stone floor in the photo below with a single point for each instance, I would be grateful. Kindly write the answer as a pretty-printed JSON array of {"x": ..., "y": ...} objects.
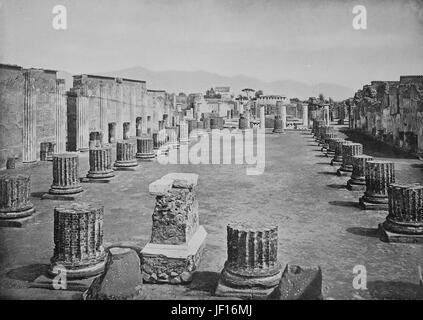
[{"x": 319, "y": 223}]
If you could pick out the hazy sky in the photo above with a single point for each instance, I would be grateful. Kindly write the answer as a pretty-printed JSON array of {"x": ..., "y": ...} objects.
[{"x": 309, "y": 41}]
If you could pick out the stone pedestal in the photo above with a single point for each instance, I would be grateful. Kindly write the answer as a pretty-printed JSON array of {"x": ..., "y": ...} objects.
[
  {"x": 252, "y": 269},
  {"x": 316, "y": 125},
  {"x": 11, "y": 163},
  {"x": 243, "y": 123},
  {"x": 177, "y": 240},
  {"x": 183, "y": 133},
  {"x": 337, "y": 158},
  {"x": 214, "y": 123},
  {"x": 78, "y": 241},
  {"x": 325, "y": 141},
  {"x": 100, "y": 163},
  {"x": 125, "y": 154},
  {"x": 348, "y": 151},
  {"x": 46, "y": 151},
  {"x": 96, "y": 139},
  {"x": 379, "y": 175},
  {"x": 15, "y": 207},
  {"x": 65, "y": 174},
  {"x": 145, "y": 148},
  {"x": 159, "y": 139},
  {"x": 305, "y": 116},
  {"x": 278, "y": 125},
  {"x": 262, "y": 119},
  {"x": 330, "y": 151},
  {"x": 404, "y": 222},
  {"x": 358, "y": 175}
]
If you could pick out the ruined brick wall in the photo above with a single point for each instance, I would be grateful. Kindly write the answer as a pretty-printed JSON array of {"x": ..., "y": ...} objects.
[
  {"x": 29, "y": 106},
  {"x": 391, "y": 111},
  {"x": 155, "y": 107}
]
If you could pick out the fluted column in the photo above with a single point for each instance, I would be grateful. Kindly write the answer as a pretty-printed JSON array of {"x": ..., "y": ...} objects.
[
  {"x": 125, "y": 154},
  {"x": 82, "y": 123},
  {"x": 145, "y": 148},
  {"x": 278, "y": 125},
  {"x": 404, "y": 222},
  {"x": 172, "y": 136},
  {"x": 78, "y": 240},
  {"x": 379, "y": 175},
  {"x": 305, "y": 116},
  {"x": 65, "y": 174},
  {"x": 214, "y": 124},
  {"x": 252, "y": 268},
  {"x": 15, "y": 190},
  {"x": 358, "y": 175},
  {"x": 337, "y": 158},
  {"x": 47, "y": 151},
  {"x": 183, "y": 132},
  {"x": 326, "y": 115},
  {"x": 325, "y": 140},
  {"x": 119, "y": 111},
  {"x": 101, "y": 163},
  {"x": 61, "y": 116},
  {"x": 133, "y": 102},
  {"x": 103, "y": 108},
  {"x": 262, "y": 118},
  {"x": 283, "y": 116},
  {"x": 330, "y": 152},
  {"x": 29, "y": 153},
  {"x": 348, "y": 151}
]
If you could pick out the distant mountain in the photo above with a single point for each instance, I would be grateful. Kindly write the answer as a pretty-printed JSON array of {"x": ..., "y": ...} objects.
[{"x": 200, "y": 81}]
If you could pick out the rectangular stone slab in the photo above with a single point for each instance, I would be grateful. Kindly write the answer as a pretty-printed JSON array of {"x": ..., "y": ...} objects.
[
  {"x": 388, "y": 236},
  {"x": 174, "y": 179}
]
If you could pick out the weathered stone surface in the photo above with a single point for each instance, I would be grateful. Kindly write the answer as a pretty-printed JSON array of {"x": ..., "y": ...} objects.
[
  {"x": 14, "y": 196},
  {"x": 358, "y": 175},
  {"x": 101, "y": 163},
  {"x": 125, "y": 154},
  {"x": 65, "y": 174},
  {"x": 348, "y": 151},
  {"x": 145, "y": 148},
  {"x": 121, "y": 279},
  {"x": 299, "y": 283}
]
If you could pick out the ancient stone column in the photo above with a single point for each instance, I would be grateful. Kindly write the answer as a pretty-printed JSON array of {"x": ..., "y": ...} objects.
[
  {"x": 252, "y": 269},
  {"x": 29, "y": 153},
  {"x": 242, "y": 123},
  {"x": 125, "y": 154},
  {"x": 172, "y": 136},
  {"x": 96, "y": 139},
  {"x": 82, "y": 123},
  {"x": 379, "y": 175},
  {"x": 358, "y": 175},
  {"x": 348, "y": 151},
  {"x": 46, "y": 151},
  {"x": 177, "y": 240},
  {"x": 326, "y": 115},
  {"x": 305, "y": 116},
  {"x": 65, "y": 174},
  {"x": 14, "y": 196},
  {"x": 337, "y": 158},
  {"x": 325, "y": 140},
  {"x": 330, "y": 152},
  {"x": 61, "y": 116},
  {"x": 183, "y": 132},
  {"x": 262, "y": 118},
  {"x": 206, "y": 124},
  {"x": 283, "y": 116},
  {"x": 214, "y": 124},
  {"x": 316, "y": 125},
  {"x": 78, "y": 240},
  {"x": 278, "y": 125},
  {"x": 103, "y": 103},
  {"x": 404, "y": 222},
  {"x": 101, "y": 163},
  {"x": 220, "y": 122},
  {"x": 145, "y": 148}
]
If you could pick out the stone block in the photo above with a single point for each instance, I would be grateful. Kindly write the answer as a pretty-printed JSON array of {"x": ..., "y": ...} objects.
[
  {"x": 160, "y": 187},
  {"x": 389, "y": 236},
  {"x": 299, "y": 283}
]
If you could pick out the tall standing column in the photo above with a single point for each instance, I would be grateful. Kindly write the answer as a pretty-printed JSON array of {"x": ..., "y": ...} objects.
[
  {"x": 133, "y": 122},
  {"x": 330, "y": 152},
  {"x": 61, "y": 116},
  {"x": 326, "y": 115},
  {"x": 305, "y": 116},
  {"x": 78, "y": 241},
  {"x": 183, "y": 132},
  {"x": 65, "y": 174},
  {"x": 14, "y": 196},
  {"x": 283, "y": 116},
  {"x": 252, "y": 269},
  {"x": 29, "y": 153},
  {"x": 262, "y": 118},
  {"x": 103, "y": 108},
  {"x": 379, "y": 175},
  {"x": 82, "y": 123},
  {"x": 119, "y": 110},
  {"x": 358, "y": 175},
  {"x": 348, "y": 151},
  {"x": 404, "y": 222},
  {"x": 125, "y": 154},
  {"x": 145, "y": 148},
  {"x": 101, "y": 163},
  {"x": 242, "y": 123}
]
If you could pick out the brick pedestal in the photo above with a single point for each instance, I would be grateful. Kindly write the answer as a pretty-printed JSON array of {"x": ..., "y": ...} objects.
[
  {"x": 379, "y": 175},
  {"x": 348, "y": 151},
  {"x": 358, "y": 175},
  {"x": 65, "y": 174},
  {"x": 252, "y": 269},
  {"x": 125, "y": 154},
  {"x": 15, "y": 206},
  {"x": 101, "y": 163},
  {"x": 145, "y": 148},
  {"x": 177, "y": 239},
  {"x": 404, "y": 222},
  {"x": 78, "y": 240}
]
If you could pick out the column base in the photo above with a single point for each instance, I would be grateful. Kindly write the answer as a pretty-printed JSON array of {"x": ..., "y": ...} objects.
[
  {"x": 247, "y": 287},
  {"x": 335, "y": 162},
  {"x": 184, "y": 141},
  {"x": 173, "y": 264},
  {"x": 100, "y": 175},
  {"x": 330, "y": 154},
  {"x": 356, "y": 185},
  {"x": 146, "y": 156},
  {"x": 64, "y": 191},
  {"x": 389, "y": 236},
  {"x": 81, "y": 272},
  {"x": 278, "y": 131},
  {"x": 343, "y": 171},
  {"x": 24, "y": 219},
  {"x": 369, "y": 203},
  {"x": 126, "y": 164},
  {"x": 16, "y": 214}
]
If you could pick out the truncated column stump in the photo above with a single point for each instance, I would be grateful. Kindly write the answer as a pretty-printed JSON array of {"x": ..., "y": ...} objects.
[
  {"x": 358, "y": 175},
  {"x": 337, "y": 158},
  {"x": 15, "y": 208},
  {"x": 78, "y": 241},
  {"x": 66, "y": 184},
  {"x": 145, "y": 148},
  {"x": 326, "y": 137},
  {"x": 177, "y": 240},
  {"x": 330, "y": 152},
  {"x": 125, "y": 154},
  {"x": 348, "y": 151},
  {"x": 379, "y": 175},
  {"x": 183, "y": 132},
  {"x": 252, "y": 269},
  {"x": 278, "y": 125},
  {"x": 100, "y": 163},
  {"x": 404, "y": 222}
]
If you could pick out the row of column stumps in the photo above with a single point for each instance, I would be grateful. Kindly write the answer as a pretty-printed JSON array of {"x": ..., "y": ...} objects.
[{"x": 376, "y": 178}]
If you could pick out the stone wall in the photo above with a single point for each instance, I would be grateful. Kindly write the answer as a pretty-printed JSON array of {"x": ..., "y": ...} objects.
[
  {"x": 391, "y": 111},
  {"x": 30, "y": 102}
]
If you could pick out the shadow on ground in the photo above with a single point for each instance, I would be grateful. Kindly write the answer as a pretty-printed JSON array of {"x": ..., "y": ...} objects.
[
  {"x": 365, "y": 232},
  {"x": 351, "y": 204},
  {"x": 28, "y": 273},
  {"x": 204, "y": 281}
]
